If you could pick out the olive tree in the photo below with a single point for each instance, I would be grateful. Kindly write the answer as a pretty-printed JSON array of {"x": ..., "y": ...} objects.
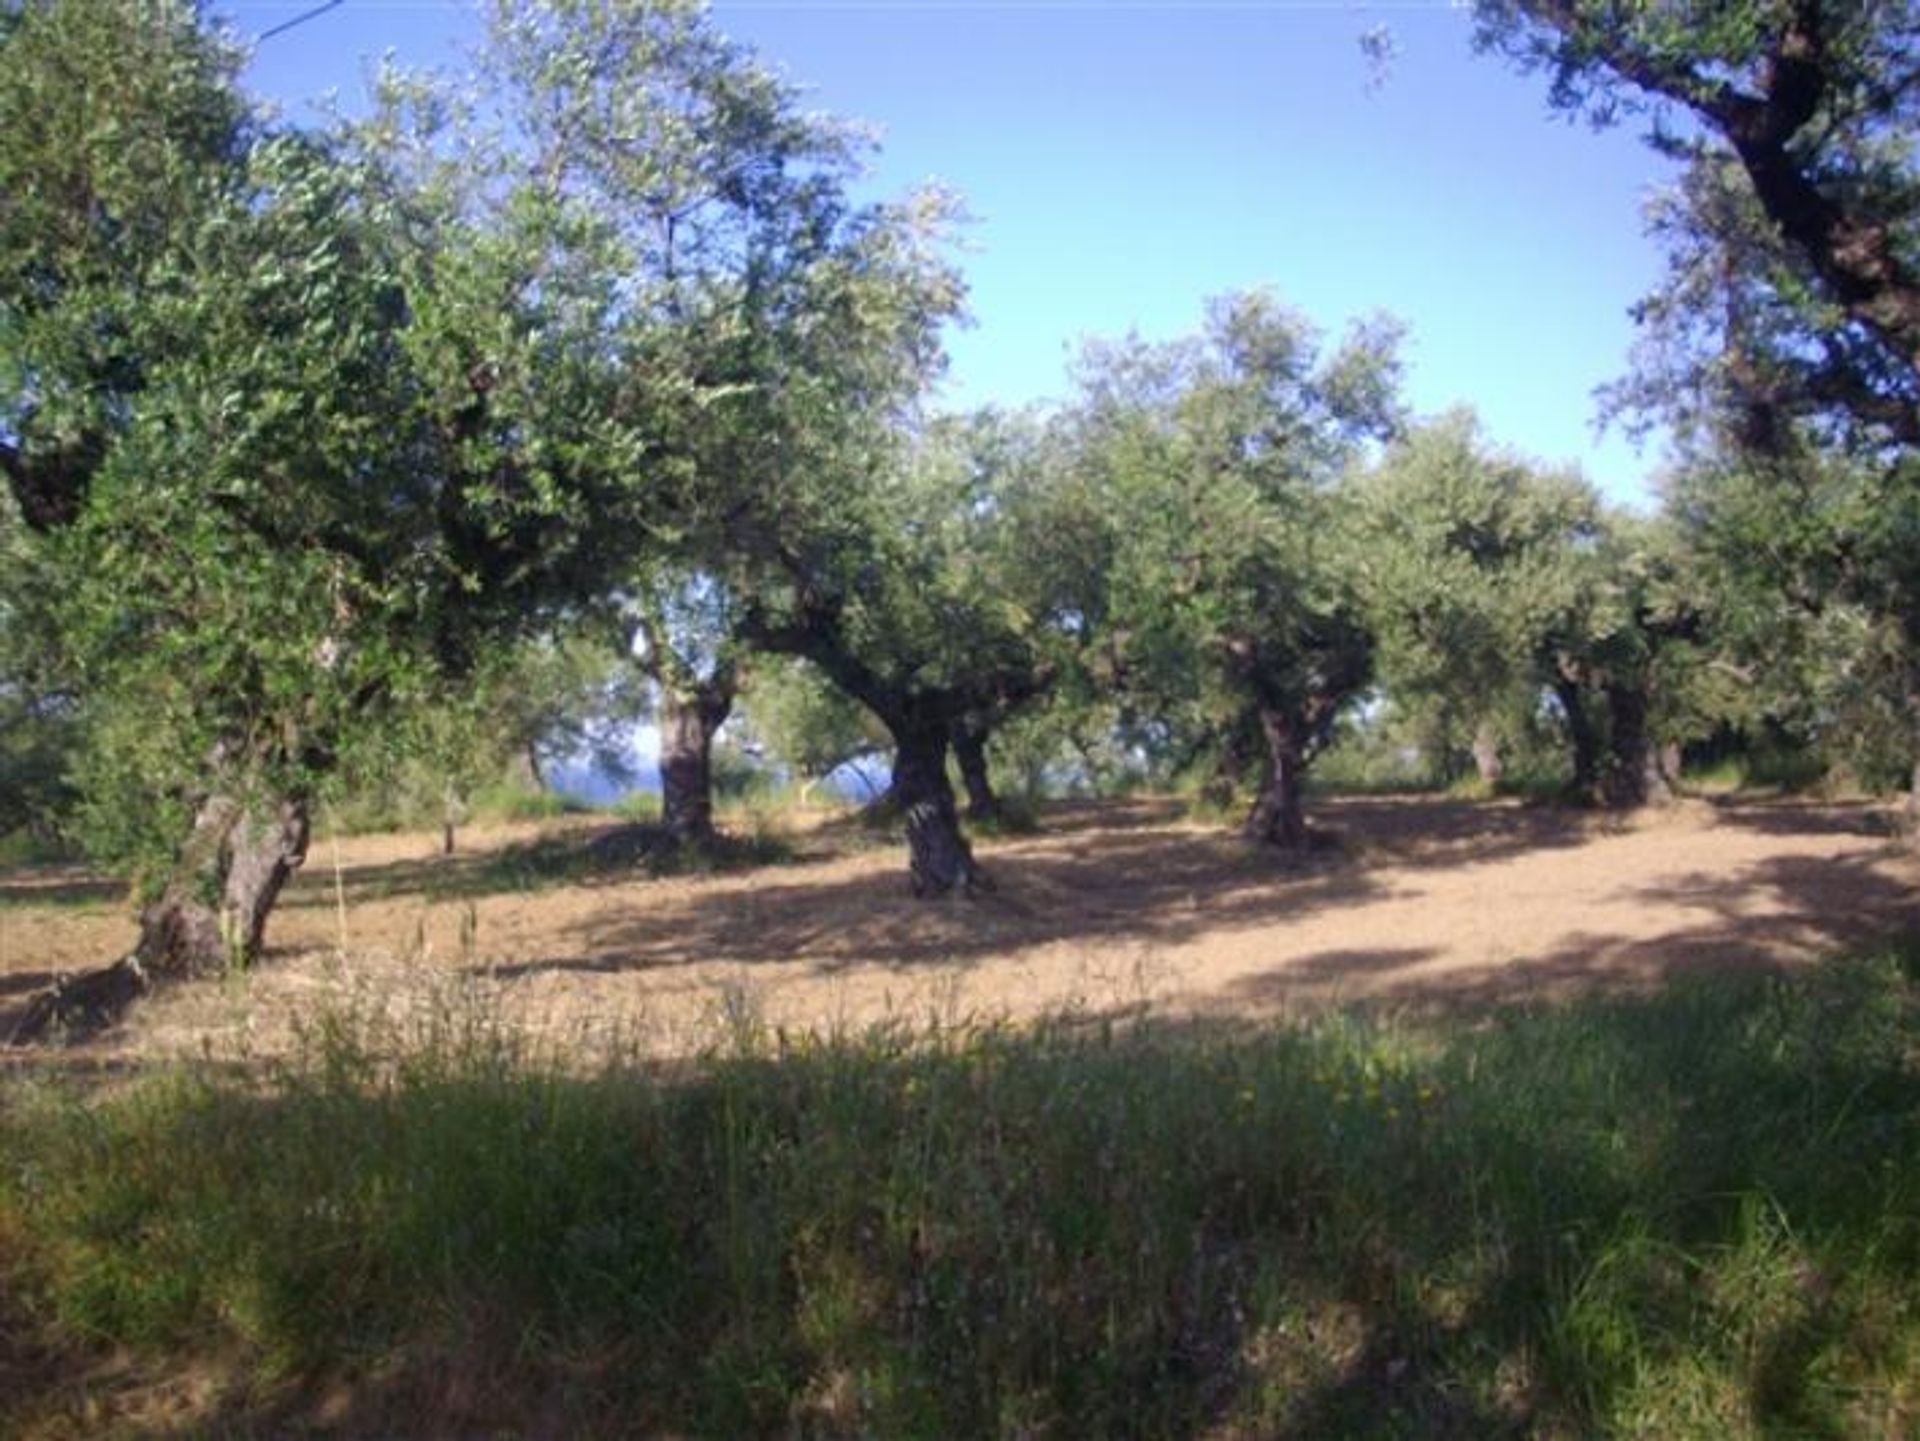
[
  {"x": 1466, "y": 566},
  {"x": 1234, "y": 586}
]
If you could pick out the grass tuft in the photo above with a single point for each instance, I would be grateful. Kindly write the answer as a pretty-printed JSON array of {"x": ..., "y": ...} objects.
[{"x": 1690, "y": 1215}]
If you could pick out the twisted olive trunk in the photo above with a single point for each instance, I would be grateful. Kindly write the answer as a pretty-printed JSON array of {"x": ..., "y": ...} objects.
[
  {"x": 213, "y": 913},
  {"x": 939, "y": 858},
  {"x": 970, "y": 750},
  {"x": 1634, "y": 774},
  {"x": 211, "y": 916},
  {"x": 1486, "y": 754},
  {"x": 690, "y": 717},
  {"x": 1277, "y": 818},
  {"x": 1581, "y": 736}
]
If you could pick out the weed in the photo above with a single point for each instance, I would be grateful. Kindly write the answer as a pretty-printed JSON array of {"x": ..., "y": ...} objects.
[{"x": 1685, "y": 1215}]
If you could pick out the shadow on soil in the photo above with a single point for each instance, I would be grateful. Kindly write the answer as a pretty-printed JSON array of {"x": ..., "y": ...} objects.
[
  {"x": 1702, "y": 1183},
  {"x": 1135, "y": 873},
  {"x": 1132, "y": 871},
  {"x": 1799, "y": 906},
  {"x": 616, "y": 854}
]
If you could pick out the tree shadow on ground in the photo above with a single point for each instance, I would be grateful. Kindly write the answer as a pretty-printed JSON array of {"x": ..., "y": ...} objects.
[
  {"x": 1790, "y": 816},
  {"x": 614, "y": 854},
  {"x": 1133, "y": 871},
  {"x": 1769, "y": 916},
  {"x": 17, "y": 992},
  {"x": 1661, "y": 1187}
]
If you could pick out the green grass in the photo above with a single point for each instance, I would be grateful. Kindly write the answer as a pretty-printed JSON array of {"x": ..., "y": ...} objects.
[{"x": 1693, "y": 1215}]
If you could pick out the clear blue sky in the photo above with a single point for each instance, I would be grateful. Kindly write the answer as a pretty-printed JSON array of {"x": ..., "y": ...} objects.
[{"x": 1125, "y": 161}]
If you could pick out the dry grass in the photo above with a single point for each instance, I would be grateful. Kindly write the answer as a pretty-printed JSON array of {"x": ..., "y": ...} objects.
[{"x": 1115, "y": 908}]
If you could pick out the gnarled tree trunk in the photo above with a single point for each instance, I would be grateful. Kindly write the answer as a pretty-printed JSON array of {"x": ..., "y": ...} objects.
[
  {"x": 213, "y": 912},
  {"x": 1582, "y": 737},
  {"x": 1912, "y": 818},
  {"x": 970, "y": 750},
  {"x": 1634, "y": 777},
  {"x": 212, "y": 915},
  {"x": 1277, "y": 818},
  {"x": 939, "y": 859},
  {"x": 1486, "y": 754},
  {"x": 689, "y": 719}
]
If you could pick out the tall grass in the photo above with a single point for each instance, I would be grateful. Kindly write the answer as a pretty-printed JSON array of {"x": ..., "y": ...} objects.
[{"x": 1692, "y": 1215}]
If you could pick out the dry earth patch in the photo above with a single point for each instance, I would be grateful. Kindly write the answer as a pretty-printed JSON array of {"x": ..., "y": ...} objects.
[{"x": 1114, "y": 907}]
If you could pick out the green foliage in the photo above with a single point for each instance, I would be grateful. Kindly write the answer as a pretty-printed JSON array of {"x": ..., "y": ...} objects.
[
  {"x": 1783, "y": 344},
  {"x": 1232, "y": 587},
  {"x": 1681, "y": 1215},
  {"x": 1815, "y": 587},
  {"x": 1473, "y": 562},
  {"x": 307, "y": 431},
  {"x": 804, "y": 725},
  {"x": 1794, "y": 239}
]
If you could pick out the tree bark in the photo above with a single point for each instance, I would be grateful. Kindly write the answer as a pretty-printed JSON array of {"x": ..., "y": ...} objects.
[
  {"x": 243, "y": 858},
  {"x": 939, "y": 859},
  {"x": 970, "y": 750},
  {"x": 1634, "y": 777},
  {"x": 1581, "y": 736},
  {"x": 1486, "y": 754},
  {"x": 689, "y": 719},
  {"x": 452, "y": 812},
  {"x": 1277, "y": 818},
  {"x": 1912, "y": 817},
  {"x": 213, "y": 912}
]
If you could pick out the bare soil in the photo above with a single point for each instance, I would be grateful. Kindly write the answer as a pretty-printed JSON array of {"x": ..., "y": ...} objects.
[{"x": 1113, "y": 909}]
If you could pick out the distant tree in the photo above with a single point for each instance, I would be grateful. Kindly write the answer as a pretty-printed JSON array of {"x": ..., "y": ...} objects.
[
  {"x": 520, "y": 710},
  {"x": 1784, "y": 341},
  {"x": 804, "y": 724},
  {"x": 1816, "y": 560},
  {"x": 39, "y": 717},
  {"x": 890, "y": 596},
  {"x": 1234, "y": 579},
  {"x": 1467, "y": 552},
  {"x": 797, "y": 328},
  {"x": 679, "y": 630}
]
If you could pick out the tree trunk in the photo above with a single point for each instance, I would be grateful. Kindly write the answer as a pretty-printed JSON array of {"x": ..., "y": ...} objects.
[
  {"x": 1634, "y": 777},
  {"x": 1486, "y": 754},
  {"x": 970, "y": 750},
  {"x": 1912, "y": 818},
  {"x": 264, "y": 852},
  {"x": 1277, "y": 819},
  {"x": 452, "y": 812},
  {"x": 1237, "y": 756},
  {"x": 1672, "y": 760},
  {"x": 1581, "y": 736},
  {"x": 525, "y": 768},
  {"x": 688, "y": 721},
  {"x": 939, "y": 858},
  {"x": 243, "y": 859}
]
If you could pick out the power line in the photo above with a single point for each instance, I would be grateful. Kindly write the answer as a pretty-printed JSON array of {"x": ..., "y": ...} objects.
[{"x": 287, "y": 25}]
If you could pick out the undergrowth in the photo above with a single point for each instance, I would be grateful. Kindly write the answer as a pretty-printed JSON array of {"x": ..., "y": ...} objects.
[{"x": 1689, "y": 1215}]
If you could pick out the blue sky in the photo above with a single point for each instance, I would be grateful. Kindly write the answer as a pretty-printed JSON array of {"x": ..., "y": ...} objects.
[{"x": 1125, "y": 161}]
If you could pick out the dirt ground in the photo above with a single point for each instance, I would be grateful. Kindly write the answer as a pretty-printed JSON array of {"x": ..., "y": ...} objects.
[{"x": 1113, "y": 909}]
